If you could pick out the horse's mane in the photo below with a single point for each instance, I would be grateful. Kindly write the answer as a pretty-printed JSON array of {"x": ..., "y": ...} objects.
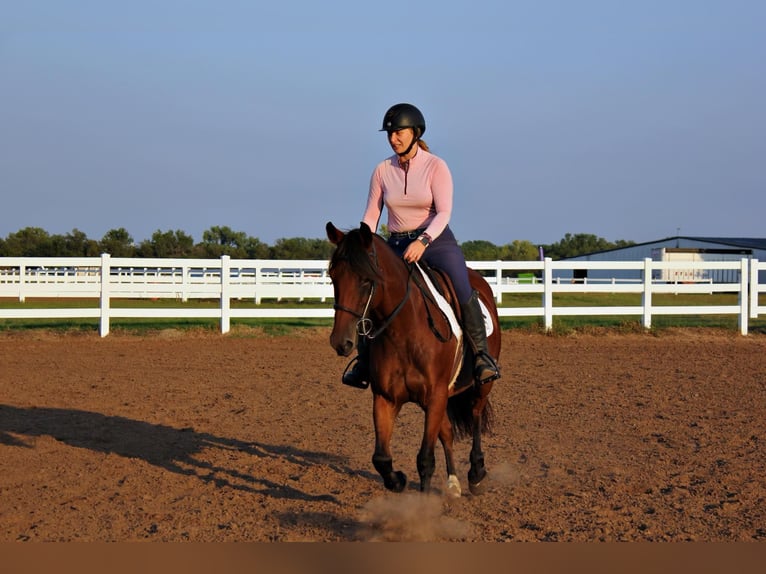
[{"x": 352, "y": 251}]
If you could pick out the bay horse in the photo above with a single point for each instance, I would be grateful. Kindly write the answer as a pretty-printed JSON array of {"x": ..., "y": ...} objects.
[{"x": 415, "y": 354}]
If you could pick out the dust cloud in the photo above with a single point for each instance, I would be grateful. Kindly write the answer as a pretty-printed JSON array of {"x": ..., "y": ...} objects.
[{"x": 411, "y": 517}]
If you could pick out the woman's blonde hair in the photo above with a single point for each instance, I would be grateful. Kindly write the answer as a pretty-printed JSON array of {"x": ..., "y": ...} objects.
[{"x": 423, "y": 145}]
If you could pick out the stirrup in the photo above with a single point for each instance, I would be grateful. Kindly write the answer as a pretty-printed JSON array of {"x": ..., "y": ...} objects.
[
  {"x": 352, "y": 378},
  {"x": 492, "y": 366}
]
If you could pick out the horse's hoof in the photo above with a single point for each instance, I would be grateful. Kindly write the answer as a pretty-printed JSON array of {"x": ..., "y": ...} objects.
[
  {"x": 478, "y": 488},
  {"x": 398, "y": 483},
  {"x": 453, "y": 487}
]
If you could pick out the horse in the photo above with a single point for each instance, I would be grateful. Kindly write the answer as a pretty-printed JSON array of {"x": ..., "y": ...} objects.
[{"x": 415, "y": 353}]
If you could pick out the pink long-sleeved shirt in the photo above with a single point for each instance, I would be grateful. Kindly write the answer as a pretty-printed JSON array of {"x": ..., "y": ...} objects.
[{"x": 426, "y": 202}]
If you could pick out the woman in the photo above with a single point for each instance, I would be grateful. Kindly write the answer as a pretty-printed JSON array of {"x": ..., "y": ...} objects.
[{"x": 416, "y": 188}]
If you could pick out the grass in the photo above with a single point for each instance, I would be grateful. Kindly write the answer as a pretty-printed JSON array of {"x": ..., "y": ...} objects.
[{"x": 561, "y": 324}]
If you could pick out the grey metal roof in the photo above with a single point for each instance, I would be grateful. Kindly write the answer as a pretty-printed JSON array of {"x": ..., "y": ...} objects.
[
  {"x": 749, "y": 242},
  {"x": 740, "y": 242}
]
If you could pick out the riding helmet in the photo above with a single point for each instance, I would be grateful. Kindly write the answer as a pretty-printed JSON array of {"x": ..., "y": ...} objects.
[{"x": 402, "y": 116}]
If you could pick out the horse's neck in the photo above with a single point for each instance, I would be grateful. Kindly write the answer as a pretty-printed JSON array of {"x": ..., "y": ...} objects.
[
  {"x": 396, "y": 275},
  {"x": 393, "y": 267}
]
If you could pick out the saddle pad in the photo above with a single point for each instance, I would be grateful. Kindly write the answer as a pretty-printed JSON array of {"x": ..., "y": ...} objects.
[{"x": 449, "y": 312}]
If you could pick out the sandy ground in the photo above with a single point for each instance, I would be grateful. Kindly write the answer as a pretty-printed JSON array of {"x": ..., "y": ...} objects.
[{"x": 250, "y": 437}]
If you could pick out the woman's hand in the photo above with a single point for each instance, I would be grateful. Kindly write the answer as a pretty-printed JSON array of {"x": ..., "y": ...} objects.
[{"x": 414, "y": 252}]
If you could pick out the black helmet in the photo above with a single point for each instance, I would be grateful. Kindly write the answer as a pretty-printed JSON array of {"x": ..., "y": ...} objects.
[{"x": 403, "y": 116}]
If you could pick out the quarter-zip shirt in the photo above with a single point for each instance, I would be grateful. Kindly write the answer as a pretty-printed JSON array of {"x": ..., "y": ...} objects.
[{"x": 417, "y": 194}]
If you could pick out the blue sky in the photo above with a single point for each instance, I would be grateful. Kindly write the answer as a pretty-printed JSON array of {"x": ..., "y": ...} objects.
[{"x": 625, "y": 119}]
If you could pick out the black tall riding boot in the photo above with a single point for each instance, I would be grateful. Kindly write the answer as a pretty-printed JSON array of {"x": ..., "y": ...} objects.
[
  {"x": 485, "y": 369},
  {"x": 359, "y": 375}
]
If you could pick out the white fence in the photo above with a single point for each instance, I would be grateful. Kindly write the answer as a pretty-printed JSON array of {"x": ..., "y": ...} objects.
[{"x": 226, "y": 279}]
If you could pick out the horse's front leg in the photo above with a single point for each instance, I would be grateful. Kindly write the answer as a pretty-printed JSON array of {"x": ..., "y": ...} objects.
[
  {"x": 435, "y": 414},
  {"x": 446, "y": 437},
  {"x": 384, "y": 413}
]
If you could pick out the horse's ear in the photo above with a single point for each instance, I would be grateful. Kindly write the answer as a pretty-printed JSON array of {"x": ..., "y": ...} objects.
[
  {"x": 334, "y": 234},
  {"x": 366, "y": 234}
]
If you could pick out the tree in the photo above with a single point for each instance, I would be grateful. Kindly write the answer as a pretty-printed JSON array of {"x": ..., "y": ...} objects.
[
  {"x": 76, "y": 244},
  {"x": 256, "y": 249},
  {"x": 28, "y": 242},
  {"x": 301, "y": 248},
  {"x": 167, "y": 244},
  {"x": 480, "y": 250},
  {"x": 222, "y": 240},
  {"x": 117, "y": 243},
  {"x": 519, "y": 250},
  {"x": 580, "y": 244}
]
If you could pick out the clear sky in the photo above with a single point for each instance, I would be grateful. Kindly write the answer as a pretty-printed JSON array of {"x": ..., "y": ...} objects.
[{"x": 624, "y": 119}]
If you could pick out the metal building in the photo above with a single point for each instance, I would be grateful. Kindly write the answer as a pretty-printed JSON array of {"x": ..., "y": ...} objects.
[{"x": 673, "y": 248}]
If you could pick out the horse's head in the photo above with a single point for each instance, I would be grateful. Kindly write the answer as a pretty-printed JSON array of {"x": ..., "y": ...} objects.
[{"x": 354, "y": 275}]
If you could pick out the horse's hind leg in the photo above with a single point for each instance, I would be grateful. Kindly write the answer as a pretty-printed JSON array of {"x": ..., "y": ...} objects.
[
  {"x": 384, "y": 413},
  {"x": 477, "y": 471}
]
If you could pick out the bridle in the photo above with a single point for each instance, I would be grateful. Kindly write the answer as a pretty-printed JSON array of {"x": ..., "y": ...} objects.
[{"x": 364, "y": 325}]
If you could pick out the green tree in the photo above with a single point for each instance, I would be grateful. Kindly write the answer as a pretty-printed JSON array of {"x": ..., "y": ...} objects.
[
  {"x": 172, "y": 244},
  {"x": 519, "y": 250},
  {"x": 581, "y": 244},
  {"x": 256, "y": 249},
  {"x": 28, "y": 242},
  {"x": 480, "y": 250},
  {"x": 222, "y": 240},
  {"x": 301, "y": 248},
  {"x": 117, "y": 243},
  {"x": 77, "y": 244}
]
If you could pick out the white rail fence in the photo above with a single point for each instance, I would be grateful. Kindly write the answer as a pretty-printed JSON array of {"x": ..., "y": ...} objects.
[{"x": 228, "y": 279}]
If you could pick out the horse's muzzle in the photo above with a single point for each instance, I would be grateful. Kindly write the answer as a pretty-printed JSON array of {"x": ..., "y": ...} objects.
[{"x": 344, "y": 348}]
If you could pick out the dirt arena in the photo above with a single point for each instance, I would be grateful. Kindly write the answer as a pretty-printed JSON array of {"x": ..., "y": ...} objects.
[{"x": 251, "y": 437}]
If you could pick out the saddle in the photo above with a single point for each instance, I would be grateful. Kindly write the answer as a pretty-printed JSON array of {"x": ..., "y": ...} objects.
[
  {"x": 441, "y": 285},
  {"x": 438, "y": 291}
]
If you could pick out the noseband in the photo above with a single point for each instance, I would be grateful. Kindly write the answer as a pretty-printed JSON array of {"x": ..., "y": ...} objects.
[{"x": 364, "y": 324}]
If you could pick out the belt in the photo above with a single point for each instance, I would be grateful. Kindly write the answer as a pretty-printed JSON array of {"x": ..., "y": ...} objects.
[{"x": 407, "y": 234}]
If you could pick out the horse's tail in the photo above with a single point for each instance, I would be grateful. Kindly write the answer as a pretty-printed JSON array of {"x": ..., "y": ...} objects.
[{"x": 460, "y": 413}]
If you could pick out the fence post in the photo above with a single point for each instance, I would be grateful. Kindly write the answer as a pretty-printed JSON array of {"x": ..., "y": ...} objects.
[
  {"x": 646, "y": 295},
  {"x": 258, "y": 282},
  {"x": 22, "y": 273},
  {"x": 225, "y": 299},
  {"x": 185, "y": 281},
  {"x": 498, "y": 282},
  {"x": 548, "y": 294},
  {"x": 743, "y": 305},
  {"x": 104, "y": 302},
  {"x": 753, "y": 288}
]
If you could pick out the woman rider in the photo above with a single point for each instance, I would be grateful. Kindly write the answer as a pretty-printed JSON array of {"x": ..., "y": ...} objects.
[{"x": 416, "y": 188}]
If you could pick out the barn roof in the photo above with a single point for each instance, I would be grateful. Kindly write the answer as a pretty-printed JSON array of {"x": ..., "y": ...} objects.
[
  {"x": 749, "y": 242},
  {"x": 739, "y": 242}
]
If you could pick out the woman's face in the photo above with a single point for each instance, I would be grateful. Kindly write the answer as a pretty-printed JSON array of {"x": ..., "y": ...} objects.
[{"x": 400, "y": 140}]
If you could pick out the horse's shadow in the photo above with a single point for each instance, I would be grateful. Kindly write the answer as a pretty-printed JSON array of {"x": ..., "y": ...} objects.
[{"x": 176, "y": 450}]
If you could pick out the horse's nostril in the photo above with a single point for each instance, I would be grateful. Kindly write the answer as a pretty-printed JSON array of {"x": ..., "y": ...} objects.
[{"x": 344, "y": 349}]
